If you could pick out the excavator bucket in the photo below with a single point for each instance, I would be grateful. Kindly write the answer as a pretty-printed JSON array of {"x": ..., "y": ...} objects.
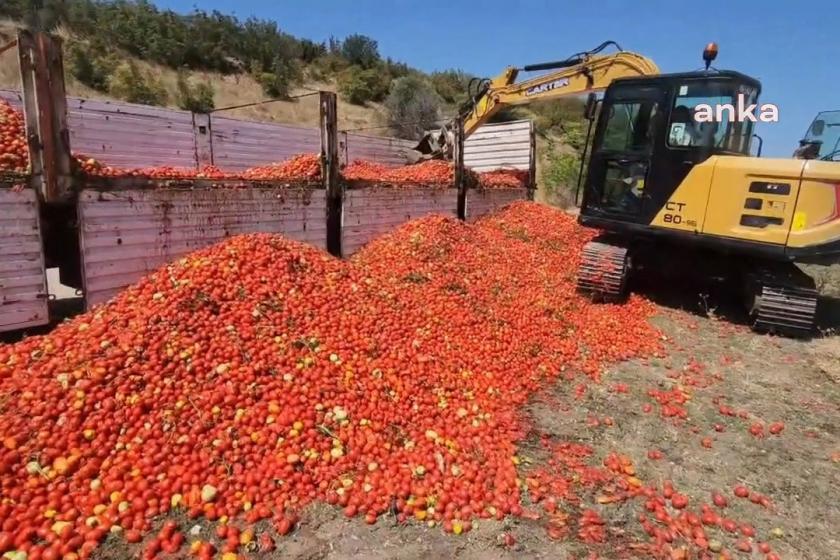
[{"x": 437, "y": 144}]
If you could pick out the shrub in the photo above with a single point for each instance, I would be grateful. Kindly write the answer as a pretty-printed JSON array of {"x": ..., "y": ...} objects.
[
  {"x": 412, "y": 107},
  {"x": 451, "y": 85},
  {"x": 278, "y": 82},
  {"x": 563, "y": 116},
  {"x": 87, "y": 68},
  {"x": 560, "y": 177},
  {"x": 135, "y": 86},
  {"x": 197, "y": 98},
  {"x": 360, "y": 50},
  {"x": 359, "y": 86}
]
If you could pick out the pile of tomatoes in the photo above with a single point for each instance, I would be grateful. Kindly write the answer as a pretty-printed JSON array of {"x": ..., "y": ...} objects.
[
  {"x": 503, "y": 179},
  {"x": 92, "y": 167},
  {"x": 248, "y": 379},
  {"x": 14, "y": 153},
  {"x": 432, "y": 173},
  {"x": 363, "y": 170},
  {"x": 302, "y": 167},
  {"x": 299, "y": 167}
]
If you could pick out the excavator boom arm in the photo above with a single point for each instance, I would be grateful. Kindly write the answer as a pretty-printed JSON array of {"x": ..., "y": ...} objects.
[
  {"x": 584, "y": 72},
  {"x": 592, "y": 74}
]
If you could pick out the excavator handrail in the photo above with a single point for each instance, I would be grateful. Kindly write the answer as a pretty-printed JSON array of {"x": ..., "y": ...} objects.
[{"x": 572, "y": 60}]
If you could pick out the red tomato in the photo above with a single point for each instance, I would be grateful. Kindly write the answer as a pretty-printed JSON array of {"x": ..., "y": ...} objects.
[
  {"x": 776, "y": 428},
  {"x": 679, "y": 501}
]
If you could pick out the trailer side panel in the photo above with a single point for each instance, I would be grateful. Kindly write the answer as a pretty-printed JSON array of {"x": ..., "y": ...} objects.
[
  {"x": 126, "y": 234},
  {"x": 23, "y": 285}
]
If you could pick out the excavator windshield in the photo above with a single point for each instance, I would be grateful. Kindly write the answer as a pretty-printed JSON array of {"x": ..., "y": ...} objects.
[
  {"x": 704, "y": 114},
  {"x": 825, "y": 131}
]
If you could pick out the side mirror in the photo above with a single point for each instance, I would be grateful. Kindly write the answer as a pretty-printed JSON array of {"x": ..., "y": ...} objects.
[
  {"x": 818, "y": 127},
  {"x": 591, "y": 108}
]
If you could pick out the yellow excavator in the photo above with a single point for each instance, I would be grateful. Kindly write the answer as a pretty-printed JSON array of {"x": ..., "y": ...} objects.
[{"x": 661, "y": 181}]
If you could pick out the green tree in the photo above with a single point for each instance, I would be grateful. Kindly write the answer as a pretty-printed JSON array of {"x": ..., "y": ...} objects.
[
  {"x": 130, "y": 83},
  {"x": 278, "y": 82},
  {"x": 451, "y": 85},
  {"x": 397, "y": 69},
  {"x": 197, "y": 98},
  {"x": 412, "y": 107},
  {"x": 89, "y": 64},
  {"x": 311, "y": 51},
  {"x": 359, "y": 86},
  {"x": 360, "y": 50}
]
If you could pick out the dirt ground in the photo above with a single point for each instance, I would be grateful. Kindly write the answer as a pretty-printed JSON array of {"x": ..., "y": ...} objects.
[{"x": 720, "y": 365}]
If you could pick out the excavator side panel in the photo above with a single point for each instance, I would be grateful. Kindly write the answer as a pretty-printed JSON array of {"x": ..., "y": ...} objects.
[
  {"x": 685, "y": 210},
  {"x": 753, "y": 199},
  {"x": 816, "y": 220}
]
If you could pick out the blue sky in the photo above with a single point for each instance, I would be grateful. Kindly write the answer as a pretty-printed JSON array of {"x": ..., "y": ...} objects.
[{"x": 792, "y": 47}]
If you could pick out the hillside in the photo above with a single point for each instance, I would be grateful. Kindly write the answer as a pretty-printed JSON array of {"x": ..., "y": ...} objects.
[{"x": 231, "y": 89}]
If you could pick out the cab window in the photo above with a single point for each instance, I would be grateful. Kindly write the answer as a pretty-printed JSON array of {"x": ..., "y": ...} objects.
[
  {"x": 686, "y": 127},
  {"x": 630, "y": 127},
  {"x": 825, "y": 132}
]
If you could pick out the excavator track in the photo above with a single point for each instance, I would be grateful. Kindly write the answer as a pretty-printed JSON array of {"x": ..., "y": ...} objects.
[
  {"x": 784, "y": 302},
  {"x": 603, "y": 269}
]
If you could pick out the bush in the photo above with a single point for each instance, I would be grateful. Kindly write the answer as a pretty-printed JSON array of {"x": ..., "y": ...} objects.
[
  {"x": 360, "y": 50},
  {"x": 135, "y": 86},
  {"x": 412, "y": 107},
  {"x": 358, "y": 86},
  {"x": 311, "y": 51},
  {"x": 451, "y": 85},
  {"x": 396, "y": 69},
  {"x": 197, "y": 98},
  {"x": 564, "y": 116},
  {"x": 278, "y": 82},
  {"x": 87, "y": 68},
  {"x": 560, "y": 177}
]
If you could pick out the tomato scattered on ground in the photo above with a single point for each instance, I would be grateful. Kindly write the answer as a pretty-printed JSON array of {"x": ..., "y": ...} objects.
[{"x": 253, "y": 377}]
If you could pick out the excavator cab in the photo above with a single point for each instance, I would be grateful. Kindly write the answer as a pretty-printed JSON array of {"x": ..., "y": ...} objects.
[
  {"x": 648, "y": 138},
  {"x": 670, "y": 177},
  {"x": 822, "y": 141}
]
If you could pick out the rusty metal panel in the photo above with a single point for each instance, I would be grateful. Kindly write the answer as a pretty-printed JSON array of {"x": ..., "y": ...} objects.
[
  {"x": 128, "y": 135},
  {"x": 126, "y": 234},
  {"x": 497, "y": 146},
  {"x": 370, "y": 212},
  {"x": 23, "y": 283},
  {"x": 484, "y": 201},
  {"x": 238, "y": 144},
  {"x": 389, "y": 151}
]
